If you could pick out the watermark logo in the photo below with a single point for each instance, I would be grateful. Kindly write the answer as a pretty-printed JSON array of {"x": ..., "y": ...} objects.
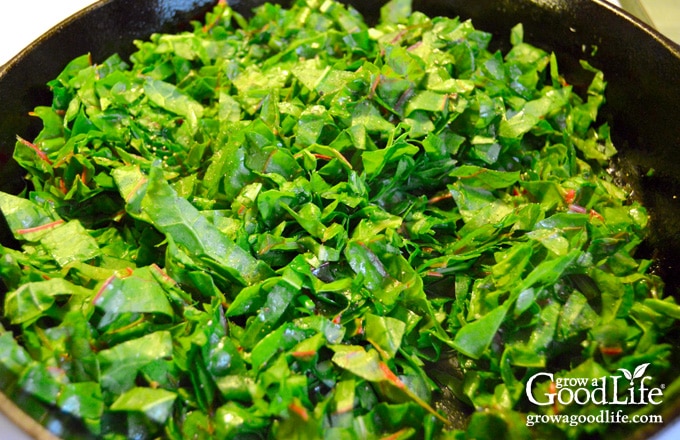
[
  {"x": 628, "y": 388},
  {"x": 604, "y": 390},
  {"x": 638, "y": 373}
]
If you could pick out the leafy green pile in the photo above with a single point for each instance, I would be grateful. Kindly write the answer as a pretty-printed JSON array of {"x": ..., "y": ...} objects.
[{"x": 299, "y": 226}]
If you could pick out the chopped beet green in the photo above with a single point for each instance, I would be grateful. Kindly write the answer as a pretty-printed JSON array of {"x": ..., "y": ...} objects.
[{"x": 297, "y": 225}]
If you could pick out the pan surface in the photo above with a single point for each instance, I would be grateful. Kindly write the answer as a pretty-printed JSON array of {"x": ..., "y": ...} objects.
[{"x": 642, "y": 69}]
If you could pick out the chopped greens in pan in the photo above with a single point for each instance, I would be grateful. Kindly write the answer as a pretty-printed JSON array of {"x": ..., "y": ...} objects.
[{"x": 296, "y": 225}]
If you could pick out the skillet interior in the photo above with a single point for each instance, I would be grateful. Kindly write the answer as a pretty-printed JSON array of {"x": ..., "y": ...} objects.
[{"x": 641, "y": 68}]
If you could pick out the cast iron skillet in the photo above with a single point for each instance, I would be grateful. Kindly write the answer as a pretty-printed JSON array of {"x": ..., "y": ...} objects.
[{"x": 642, "y": 69}]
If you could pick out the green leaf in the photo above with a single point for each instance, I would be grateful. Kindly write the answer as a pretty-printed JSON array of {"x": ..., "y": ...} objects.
[
  {"x": 188, "y": 228},
  {"x": 27, "y": 219},
  {"x": 30, "y": 301},
  {"x": 37, "y": 379},
  {"x": 485, "y": 178},
  {"x": 172, "y": 99},
  {"x": 139, "y": 292},
  {"x": 375, "y": 161},
  {"x": 385, "y": 333},
  {"x": 362, "y": 363},
  {"x": 121, "y": 363},
  {"x": 474, "y": 338},
  {"x": 83, "y": 399},
  {"x": 13, "y": 356},
  {"x": 666, "y": 307},
  {"x": 70, "y": 242},
  {"x": 395, "y": 11},
  {"x": 156, "y": 404}
]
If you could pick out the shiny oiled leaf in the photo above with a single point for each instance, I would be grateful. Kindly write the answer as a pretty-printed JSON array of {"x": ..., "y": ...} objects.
[
  {"x": 385, "y": 333},
  {"x": 80, "y": 246},
  {"x": 172, "y": 99},
  {"x": 474, "y": 338},
  {"x": 139, "y": 292},
  {"x": 363, "y": 363},
  {"x": 187, "y": 227},
  {"x": 30, "y": 301},
  {"x": 121, "y": 363},
  {"x": 154, "y": 403}
]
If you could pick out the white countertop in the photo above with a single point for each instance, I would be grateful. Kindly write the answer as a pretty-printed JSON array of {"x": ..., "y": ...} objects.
[{"x": 23, "y": 21}]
